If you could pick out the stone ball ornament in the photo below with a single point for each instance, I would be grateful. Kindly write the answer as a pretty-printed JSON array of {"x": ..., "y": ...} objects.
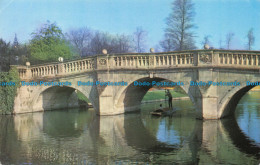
[
  {"x": 206, "y": 46},
  {"x": 60, "y": 59},
  {"x": 27, "y": 63},
  {"x": 104, "y": 51}
]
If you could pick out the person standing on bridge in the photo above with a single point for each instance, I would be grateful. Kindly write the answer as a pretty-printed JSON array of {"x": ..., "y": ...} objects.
[{"x": 169, "y": 95}]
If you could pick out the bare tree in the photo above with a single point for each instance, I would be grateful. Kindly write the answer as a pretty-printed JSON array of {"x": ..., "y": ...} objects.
[
  {"x": 113, "y": 43},
  {"x": 139, "y": 40},
  {"x": 250, "y": 39},
  {"x": 167, "y": 44},
  {"x": 123, "y": 44},
  {"x": 80, "y": 39},
  {"x": 229, "y": 38},
  {"x": 206, "y": 40},
  {"x": 220, "y": 43},
  {"x": 180, "y": 25}
]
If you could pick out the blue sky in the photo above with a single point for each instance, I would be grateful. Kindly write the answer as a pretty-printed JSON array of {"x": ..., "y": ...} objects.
[{"x": 213, "y": 17}]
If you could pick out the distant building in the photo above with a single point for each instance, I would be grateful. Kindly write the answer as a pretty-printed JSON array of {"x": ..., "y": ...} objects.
[{"x": 15, "y": 43}]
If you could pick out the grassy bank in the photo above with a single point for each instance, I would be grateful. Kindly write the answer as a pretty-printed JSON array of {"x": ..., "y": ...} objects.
[
  {"x": 150, "y": 95},
  {"x": 82, "y": 97},
  {"x": 160, "y": 94}
]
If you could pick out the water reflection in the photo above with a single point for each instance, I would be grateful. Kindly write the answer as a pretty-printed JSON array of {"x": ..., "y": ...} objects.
[
  {"x": 248, "y": 115},
  {"x": 81, "y": 137}
]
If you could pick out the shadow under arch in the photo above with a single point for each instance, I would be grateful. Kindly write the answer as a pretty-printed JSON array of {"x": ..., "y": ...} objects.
[
  {"x": 56, "y": 97},
  {"x": 130, "y": 97},
  {"x": 239, "y": 139},
  {"x": 140, "y": 138},
  {"x": 231, "y": 100}
]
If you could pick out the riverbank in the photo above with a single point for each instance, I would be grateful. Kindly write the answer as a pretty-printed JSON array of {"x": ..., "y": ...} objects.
[
  {"x": 159, "y": 96},
  {"x": 161, "y": 100}
]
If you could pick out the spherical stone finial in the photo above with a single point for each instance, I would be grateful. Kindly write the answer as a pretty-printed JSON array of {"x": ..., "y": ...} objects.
[
  {"x": 27, "y": 63},
  {"x": 104, "y": 51},
  {"x": 60, "y": 59},
  {"x": 206, "y": 46},
  {"x": 152, "y": 50}
]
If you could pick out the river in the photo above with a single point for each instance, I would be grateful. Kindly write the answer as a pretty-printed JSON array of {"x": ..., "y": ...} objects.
[{"x": 80, "y": 137}]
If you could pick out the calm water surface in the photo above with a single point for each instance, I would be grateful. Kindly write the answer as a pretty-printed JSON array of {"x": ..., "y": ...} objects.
[{"x": 81, "y": 137}]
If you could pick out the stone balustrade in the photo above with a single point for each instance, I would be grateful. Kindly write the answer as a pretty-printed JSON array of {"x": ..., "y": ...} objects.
[
  {"x": 239, "y": 58},
  {"x": 192, "y": 58},
  {"x": 148, "y": 61}
]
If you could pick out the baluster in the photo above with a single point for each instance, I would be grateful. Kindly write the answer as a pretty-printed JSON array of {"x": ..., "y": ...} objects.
[
  {"x": 171, "y": 60},
  {"x": 247, "y": 61},
  {"x": 125, "y": 58},
  {"x": 228, "y": 59}
]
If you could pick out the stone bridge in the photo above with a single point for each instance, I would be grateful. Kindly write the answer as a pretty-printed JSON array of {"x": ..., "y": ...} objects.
[{"x": 228, "y": 70}]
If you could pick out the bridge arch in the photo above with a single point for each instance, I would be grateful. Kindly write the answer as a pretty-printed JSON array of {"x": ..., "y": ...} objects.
[
  {"x": 56, "y": 97},
  {"x": 129, "y": 97},
  {"x": 228, "y": 105}
]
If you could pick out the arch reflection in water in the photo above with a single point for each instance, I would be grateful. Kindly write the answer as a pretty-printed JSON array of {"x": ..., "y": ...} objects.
[{"x": 67, "y": 137}]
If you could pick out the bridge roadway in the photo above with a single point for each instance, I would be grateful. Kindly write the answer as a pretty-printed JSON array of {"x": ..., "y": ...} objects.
[{"x": 210, "y": 101}]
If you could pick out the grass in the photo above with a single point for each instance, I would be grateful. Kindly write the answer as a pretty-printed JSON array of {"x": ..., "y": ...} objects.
[
  {"x": 160, "y": 94},
  {"x": 82, "y": 97},
  {"x": 150, "y": 95}
]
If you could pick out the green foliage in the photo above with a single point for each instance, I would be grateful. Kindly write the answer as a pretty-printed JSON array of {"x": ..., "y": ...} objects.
[
  {"x": 4, "y": 55},
  {"x": 8, "y": 93},
  {"x": 82, "y": 97},
  {"x": 48, "y": 44},
  {"x": 178, "y": 89}
]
